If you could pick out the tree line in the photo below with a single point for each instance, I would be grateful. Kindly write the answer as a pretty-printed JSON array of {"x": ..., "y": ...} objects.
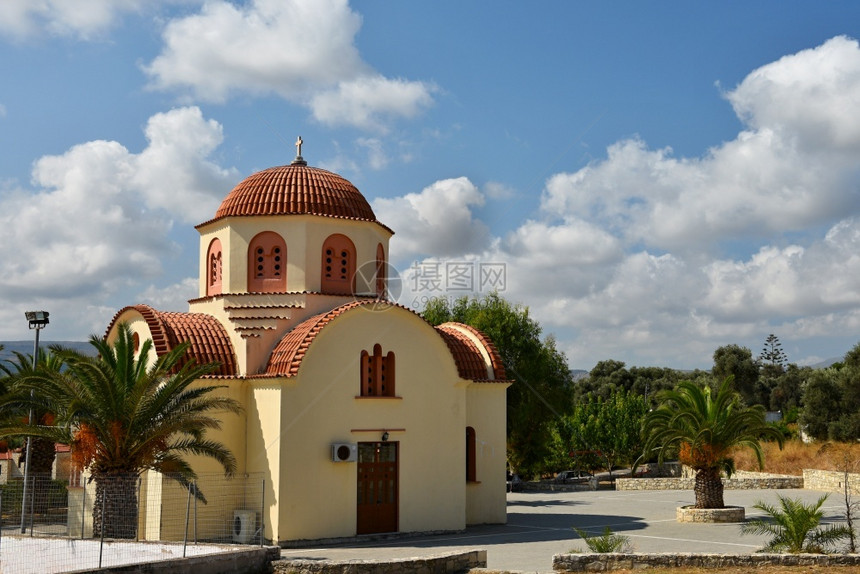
[{"x": 556, "y": 422}]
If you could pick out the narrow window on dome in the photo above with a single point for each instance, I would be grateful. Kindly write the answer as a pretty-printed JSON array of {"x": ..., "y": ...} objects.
[
  {"x": 471, "y": 455},
  {"x": 380, "y": 272},
  {"x": 377, "y": 373},
  {"x": 213, "y": 268},
  {"x": 338, "y": 265},
  {"x": 267, "y": 263}
]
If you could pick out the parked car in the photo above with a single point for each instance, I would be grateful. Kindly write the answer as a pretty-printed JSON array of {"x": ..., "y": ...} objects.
[
  {"x": 572, "y": 476},
  {"x": 515, "y": 483}
]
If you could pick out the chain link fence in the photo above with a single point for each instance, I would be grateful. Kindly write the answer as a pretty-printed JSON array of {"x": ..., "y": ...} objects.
[{"x": 88, "y": 523}]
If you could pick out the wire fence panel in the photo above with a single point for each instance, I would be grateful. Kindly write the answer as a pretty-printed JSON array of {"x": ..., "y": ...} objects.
[{"x": 91, "y": 523}]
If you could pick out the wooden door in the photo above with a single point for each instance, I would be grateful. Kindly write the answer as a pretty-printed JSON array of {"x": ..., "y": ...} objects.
[{"x": 377, "y": 487}]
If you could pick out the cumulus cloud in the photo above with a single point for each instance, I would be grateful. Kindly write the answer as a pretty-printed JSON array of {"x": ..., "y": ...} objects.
[
  {"x": 436, "y": 221},
  {"x": 100, "y": 216},
  {"x": 637, "y": 256},
  {"x": 300, "y": 50},
  {"x": 80, "y": 19},
  {"x": 368, "y": 101},
  {"x": 794, "y": 166}
]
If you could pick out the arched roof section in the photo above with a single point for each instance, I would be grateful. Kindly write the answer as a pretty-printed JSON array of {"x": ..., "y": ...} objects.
[
  {"x": 296, "y": 189},
  {"x": 209, "y": 341},
  {"x": 475, "y": 356},
  {"x": 287, "y": 356},
  {"x": 474, "y": 353}
]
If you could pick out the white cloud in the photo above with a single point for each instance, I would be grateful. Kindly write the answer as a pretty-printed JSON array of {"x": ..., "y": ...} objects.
[
  {"x": 81, "y": 19},
  {"x": 436, "y": 221},
  {"x": 376, "y": 156},
  {"x": 301, "y": 50},
  {"x": 639, "y": 255},
  {"x": 100, "y": 216},
  {"x": 174, "y": 297},
  {"x": 368, "y": 101},
  {"x": 793, "y": 168}
]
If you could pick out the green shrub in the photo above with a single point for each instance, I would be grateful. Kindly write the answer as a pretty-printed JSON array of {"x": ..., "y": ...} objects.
[
  {"x": 606, "y": 542},
  {"x": 794, "y": 527}
]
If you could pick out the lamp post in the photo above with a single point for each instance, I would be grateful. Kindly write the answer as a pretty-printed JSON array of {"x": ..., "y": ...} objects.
[{"x": 37, "y": 320}]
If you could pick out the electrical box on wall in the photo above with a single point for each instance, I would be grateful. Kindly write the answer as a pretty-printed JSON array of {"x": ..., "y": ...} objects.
[{"x": 344, "y": 452}]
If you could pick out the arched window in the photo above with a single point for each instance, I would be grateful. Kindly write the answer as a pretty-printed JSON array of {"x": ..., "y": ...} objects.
[
  {"x": 471, "y": 473},
  {"x": 377, "y": 373},
  {"x": 338, "y": 265},
  {"x": 267, "y": 263},
  {"x": 380, "y": 272},
  {"x": 213, "y": 268}
]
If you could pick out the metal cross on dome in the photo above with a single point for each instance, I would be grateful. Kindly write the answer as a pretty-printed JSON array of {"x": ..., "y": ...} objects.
[{"x": 299, "y": 143}]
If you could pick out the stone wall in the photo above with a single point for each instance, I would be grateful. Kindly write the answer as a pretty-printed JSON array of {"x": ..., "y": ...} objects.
[
  {"x": 603, "y": 562},
  {"x": 830, "y": 481},
  {"x": 739, "y": 481},
  {"x": 450, "y": 563}
]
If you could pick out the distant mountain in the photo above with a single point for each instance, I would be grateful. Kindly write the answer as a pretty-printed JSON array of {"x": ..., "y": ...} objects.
[
  {"x": 26, "y": 347},
  {"x": 826, "y": 363}
]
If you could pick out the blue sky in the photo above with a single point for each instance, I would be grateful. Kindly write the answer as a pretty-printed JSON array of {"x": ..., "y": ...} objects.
[{"x": 655, "y": 179}]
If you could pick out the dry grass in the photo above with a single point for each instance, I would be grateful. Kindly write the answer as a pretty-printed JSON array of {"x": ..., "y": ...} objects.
[{"x": 796, "y": 456}]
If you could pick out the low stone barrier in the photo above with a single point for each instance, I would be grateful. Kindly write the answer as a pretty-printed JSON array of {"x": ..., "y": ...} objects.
[
  {"x": 830, "y": 481},
  {"x": 604, "y": 562},
  {"x": 451, "y": 563},
  {"x": 745, "y": 482}
]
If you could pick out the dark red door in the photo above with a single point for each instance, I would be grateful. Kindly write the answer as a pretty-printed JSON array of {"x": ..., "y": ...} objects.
[{"x": 377, "y": 487}]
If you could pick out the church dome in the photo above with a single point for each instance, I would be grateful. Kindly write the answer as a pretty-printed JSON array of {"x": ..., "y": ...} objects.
[{"x": 296, "y": 189}]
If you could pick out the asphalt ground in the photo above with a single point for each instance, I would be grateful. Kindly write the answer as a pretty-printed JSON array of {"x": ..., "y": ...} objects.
[{"x": 540, "y": 524}]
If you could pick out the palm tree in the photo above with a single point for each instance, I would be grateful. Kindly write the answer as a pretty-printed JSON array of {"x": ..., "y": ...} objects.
[
  {"x": 122, "y": 417},
  {"x": 705, "y": 428},
  {"x": 794, "y": 527},
  {"x": 13, "y": 409}
]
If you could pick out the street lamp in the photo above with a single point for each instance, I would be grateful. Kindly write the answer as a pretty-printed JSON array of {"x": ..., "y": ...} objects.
[{"x": 37, "y": 320}]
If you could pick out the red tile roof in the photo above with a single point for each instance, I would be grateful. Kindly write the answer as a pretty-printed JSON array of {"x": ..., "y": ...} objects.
[
  {"x": 463, "y": 341},
  {"x": 296, "y": 189},
  {"x": 287, "y": 357},
  {"x": 208, "y": 338}
]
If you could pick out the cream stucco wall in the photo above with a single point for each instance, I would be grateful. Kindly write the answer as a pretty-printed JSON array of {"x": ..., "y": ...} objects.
[
  {"x": 486, "y": 407},
  {"x": 139, "y": 327},
  {"x": 304, "y": 236},
  {"x": 318, "y": 496}
]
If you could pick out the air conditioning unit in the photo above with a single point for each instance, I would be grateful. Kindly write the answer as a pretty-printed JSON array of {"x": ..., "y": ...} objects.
[
  {"x": 344, "y": 452},
  {"x": 244, "y": 526}
]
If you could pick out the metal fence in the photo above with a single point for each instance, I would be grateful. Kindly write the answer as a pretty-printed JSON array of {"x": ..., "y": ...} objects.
[{"x": 85, "y": 523}]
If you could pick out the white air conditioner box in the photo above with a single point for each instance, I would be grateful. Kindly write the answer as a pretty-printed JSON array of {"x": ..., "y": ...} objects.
[
  {"x": 344, "y": 452},
  {"x": 244, "y": 525}
]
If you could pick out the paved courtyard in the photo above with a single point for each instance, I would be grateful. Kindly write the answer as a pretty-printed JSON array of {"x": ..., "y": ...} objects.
[{"x": 540, "y": 525}]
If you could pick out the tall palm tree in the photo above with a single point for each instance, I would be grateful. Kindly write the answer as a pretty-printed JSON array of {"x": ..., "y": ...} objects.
[
  {"x": 795, "y": 527},
  {"x": 706, "y": 428},
  {"x": 123, "y": 416}
]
